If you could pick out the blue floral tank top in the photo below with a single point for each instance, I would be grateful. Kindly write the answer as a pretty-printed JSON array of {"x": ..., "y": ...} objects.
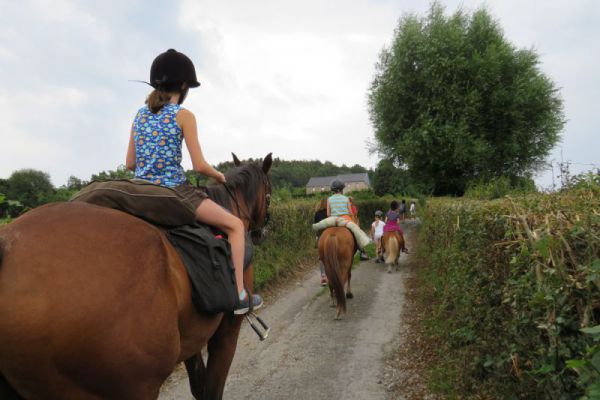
[{"x": 158, "y": 146}]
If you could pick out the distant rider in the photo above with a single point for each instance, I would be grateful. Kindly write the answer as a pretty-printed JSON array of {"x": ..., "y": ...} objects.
[
  {"x": 321, "y": 214},
  {"x": 339, "y": 205},
  {"x": 392, "y": 218}
]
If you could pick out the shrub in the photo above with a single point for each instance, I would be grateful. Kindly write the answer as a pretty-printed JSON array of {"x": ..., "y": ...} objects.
[
  {"x": 290, "y": 241},
  {"x": 510, "y": 283},
  {"x": 499, "y": 187}
]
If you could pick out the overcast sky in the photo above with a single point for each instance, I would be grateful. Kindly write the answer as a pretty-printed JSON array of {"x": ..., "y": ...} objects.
[{"x": 288, "y": 77}]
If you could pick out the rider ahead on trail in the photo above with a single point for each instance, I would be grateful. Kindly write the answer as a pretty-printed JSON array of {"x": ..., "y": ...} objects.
[
  {"x": 392, "y": 218},
  {"x": 339, "y": 205},
  {"x": 154, "y": 153}
]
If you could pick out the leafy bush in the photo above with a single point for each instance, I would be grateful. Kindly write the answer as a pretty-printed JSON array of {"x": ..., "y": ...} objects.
[
  {"x": 290, "y": 242},
  {"x": 496, "y": 188},
  {"x": 510, "y": 285},
  {"x": 588, "y": 368}
]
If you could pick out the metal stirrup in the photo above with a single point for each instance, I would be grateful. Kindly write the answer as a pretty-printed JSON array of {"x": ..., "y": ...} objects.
[{"x": 262, "y": 334}]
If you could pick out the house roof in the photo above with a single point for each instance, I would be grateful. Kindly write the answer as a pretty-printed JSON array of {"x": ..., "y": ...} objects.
[{"x": 320, "y": 181}]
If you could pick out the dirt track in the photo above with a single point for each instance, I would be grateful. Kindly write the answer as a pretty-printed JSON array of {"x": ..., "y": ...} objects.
[{"x": 309, "y": 355}]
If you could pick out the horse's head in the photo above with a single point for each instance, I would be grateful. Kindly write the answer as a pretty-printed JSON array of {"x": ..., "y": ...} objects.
[
  {"x": 247, "y": 194},
  {"x": 259, "y": 206}
]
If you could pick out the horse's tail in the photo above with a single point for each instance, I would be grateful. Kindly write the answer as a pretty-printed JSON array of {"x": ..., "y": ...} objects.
[
  {"x": 392, "y": 250},
  {"x": 332, "y": 270}
]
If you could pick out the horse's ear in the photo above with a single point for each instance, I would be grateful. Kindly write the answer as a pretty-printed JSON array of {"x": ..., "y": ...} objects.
[
  {"x": 267, "y": 162},
  {"x": 236, "y": 161}
]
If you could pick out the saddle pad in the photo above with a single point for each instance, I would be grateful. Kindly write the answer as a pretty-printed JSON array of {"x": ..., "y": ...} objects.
[
  {"x": 362, "y": 239},
  {"x": 156, "y": 204}
]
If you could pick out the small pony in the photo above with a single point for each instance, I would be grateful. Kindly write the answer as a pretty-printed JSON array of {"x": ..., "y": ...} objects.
[{"x": 393, "y": 243}]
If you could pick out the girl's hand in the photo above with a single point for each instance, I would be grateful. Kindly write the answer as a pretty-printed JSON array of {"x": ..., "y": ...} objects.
[{"x": 219, "y": 177}]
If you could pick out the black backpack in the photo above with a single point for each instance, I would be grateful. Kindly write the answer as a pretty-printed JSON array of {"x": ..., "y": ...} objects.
[{"x": 207, "y": 259}]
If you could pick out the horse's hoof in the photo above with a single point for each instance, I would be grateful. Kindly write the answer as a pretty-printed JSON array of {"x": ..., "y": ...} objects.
[
  {"x": 349, "y": 295},
  {"x": 389, "y": 270}
]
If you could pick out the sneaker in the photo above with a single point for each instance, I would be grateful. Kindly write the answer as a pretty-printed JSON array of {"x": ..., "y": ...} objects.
[
  {"x": 244, "y": 305},
  {"x": 323, "y": 280},
  {"x": 364, "y": 256}
]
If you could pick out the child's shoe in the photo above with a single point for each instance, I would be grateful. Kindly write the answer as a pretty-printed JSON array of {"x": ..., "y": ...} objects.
[{"x": 244, "y": 305}]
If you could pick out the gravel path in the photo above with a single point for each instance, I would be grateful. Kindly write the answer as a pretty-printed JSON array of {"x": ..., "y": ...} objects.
[{"x": 308, "y": 354}]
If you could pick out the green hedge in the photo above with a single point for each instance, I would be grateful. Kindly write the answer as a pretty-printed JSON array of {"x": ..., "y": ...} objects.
[
  {"x": 367, "y": 208},
  {"x": 290, "y": 241},
  {"x": 509, "y": 285}
]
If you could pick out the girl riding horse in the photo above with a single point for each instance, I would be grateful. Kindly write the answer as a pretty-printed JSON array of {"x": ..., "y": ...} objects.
[{"x": 154, "y": 154}]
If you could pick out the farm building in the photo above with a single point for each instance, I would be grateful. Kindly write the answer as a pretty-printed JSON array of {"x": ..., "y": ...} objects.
[{"x": 353, "y": 182}]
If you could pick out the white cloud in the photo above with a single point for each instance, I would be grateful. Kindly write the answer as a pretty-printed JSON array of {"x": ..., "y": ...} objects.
[
  {"x": 284, "y": 76},
  {"x": 290, "y": 78}
]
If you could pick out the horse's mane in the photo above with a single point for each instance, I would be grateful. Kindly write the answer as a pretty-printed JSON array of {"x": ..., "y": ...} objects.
[{"x": 247, "y": 179}]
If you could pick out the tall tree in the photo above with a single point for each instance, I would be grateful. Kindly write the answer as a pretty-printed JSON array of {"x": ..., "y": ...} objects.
[
  {"x": 453, "y": 101},
  {"x": 74, "y": 183},
  {"x": 30, "y": 187}
]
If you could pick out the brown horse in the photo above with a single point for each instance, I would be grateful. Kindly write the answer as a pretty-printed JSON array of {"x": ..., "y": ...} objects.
[
  {"x": 336, "y": 250},
  {"x": 393, "y": 243},
  {"x": 96, "y": 304}
]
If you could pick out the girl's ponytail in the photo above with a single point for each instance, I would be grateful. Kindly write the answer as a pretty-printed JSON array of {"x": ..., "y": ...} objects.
[{"x": 157, "y": 100}]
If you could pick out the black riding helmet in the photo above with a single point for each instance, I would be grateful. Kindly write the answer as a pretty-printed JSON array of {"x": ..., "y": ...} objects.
[
  {"x": 337, "y": 186},
  {"x": 170, "y": 70}
]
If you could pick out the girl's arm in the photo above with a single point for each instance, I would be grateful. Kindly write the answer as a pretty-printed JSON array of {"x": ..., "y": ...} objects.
[
  {"x": 186, "y": 120},
  {"x": 130, "y": 159},
  {"x": 328, "y": 209}
]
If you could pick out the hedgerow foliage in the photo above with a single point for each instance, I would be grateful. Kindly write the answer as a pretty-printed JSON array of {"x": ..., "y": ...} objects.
[
  {"x": 290, "y": 241},
  {"x": 513, "y": 291}
]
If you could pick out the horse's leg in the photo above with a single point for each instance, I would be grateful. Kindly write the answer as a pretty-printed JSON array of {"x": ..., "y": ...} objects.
[
  {"x": 221, "y": 349},
  {"x": 349, "y": 294},
  {"x": 222, "y": 345},
  {"x": 196, "y": 375},
  {"x": 400, "y": 247},
  {"x": 331, "y": 296}
]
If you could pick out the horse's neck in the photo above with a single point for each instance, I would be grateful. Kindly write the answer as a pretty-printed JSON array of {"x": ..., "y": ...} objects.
[{"x": 225, "y": 199}]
